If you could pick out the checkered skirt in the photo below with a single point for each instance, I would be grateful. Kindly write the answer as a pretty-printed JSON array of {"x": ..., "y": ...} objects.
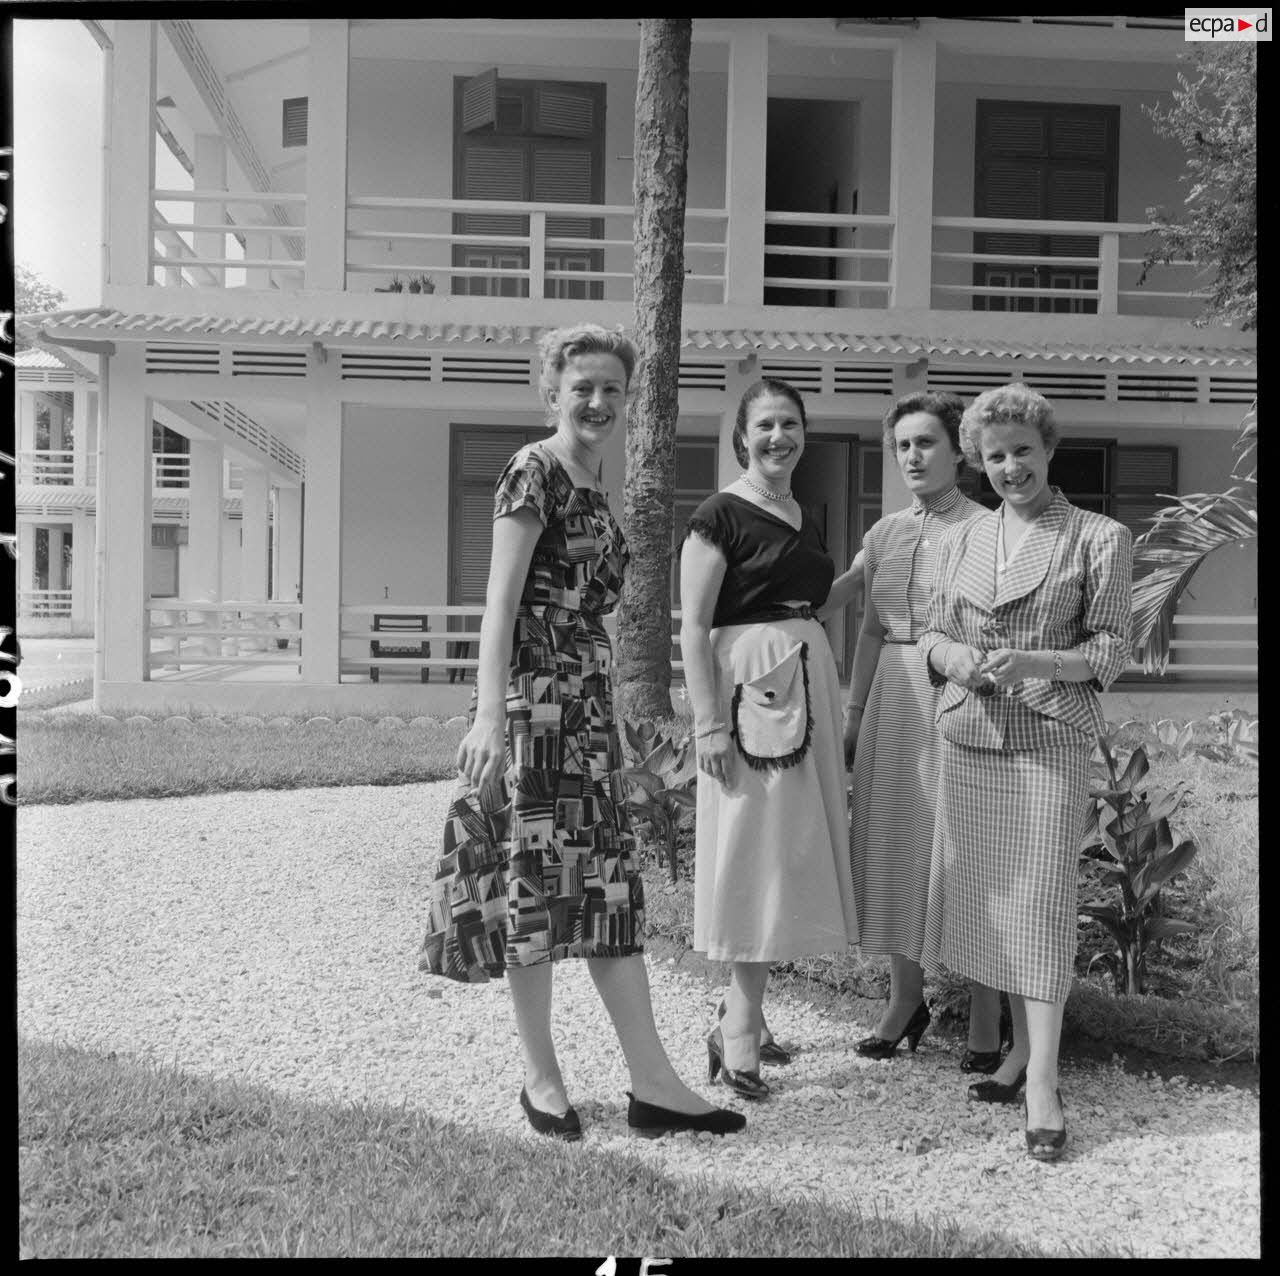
[{"x": 1002, "y": 894}]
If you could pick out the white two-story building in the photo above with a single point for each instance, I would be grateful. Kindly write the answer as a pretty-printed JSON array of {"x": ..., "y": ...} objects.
[{"x": 376, "y": 218}]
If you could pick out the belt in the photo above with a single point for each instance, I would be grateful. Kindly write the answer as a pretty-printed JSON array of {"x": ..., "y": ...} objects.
[
  {"x": 775, "y": 611},
  {"x": 899, "y": 642}
]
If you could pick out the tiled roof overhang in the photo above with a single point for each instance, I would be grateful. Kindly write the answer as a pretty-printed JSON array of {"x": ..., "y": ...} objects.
[{"x": 104, "y": 324}]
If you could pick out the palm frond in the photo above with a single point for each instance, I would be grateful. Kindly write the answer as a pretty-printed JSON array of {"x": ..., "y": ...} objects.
[
  {"x": 1246, "y": 469},
  {"x": 1166, "y": 557}
]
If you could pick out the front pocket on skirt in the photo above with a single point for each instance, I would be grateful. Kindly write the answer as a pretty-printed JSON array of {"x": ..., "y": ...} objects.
[{"x": 772, "y": 717}]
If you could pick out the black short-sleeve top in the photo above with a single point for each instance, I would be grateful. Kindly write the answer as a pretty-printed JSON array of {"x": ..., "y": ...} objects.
[{"x": 769, "y": 561}]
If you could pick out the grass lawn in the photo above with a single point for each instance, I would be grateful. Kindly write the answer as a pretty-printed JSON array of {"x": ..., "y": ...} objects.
[{"x": 123, "y": 1160}]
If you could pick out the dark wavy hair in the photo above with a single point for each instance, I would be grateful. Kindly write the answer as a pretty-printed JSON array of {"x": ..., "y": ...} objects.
[{"x": 766, "y": 385}]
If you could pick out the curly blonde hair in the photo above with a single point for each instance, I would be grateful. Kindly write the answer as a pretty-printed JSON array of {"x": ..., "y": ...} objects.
[
  {"x": 1011, "y": 404},
  {"x": 558, "y": 345}
]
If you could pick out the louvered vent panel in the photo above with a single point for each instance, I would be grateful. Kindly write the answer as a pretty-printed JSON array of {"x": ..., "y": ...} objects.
[
  {"x": 1018, "y": 133},
  {"x": 1135, "y": 386},
  {"x": 1232, "y": 389},
  {"x": 1079, "y": 134},
  {"x": 966, "y": 381},
  {"x": 474, "y": 542},
  {"x": 371, "y": 366},
  {"x": 294, "y": 129},
  {"x": 268, "y": 363},
  {"x": 480, "y": 101},
  {"x": 804, "y": 376},
  {"x": 1068, "y": 385},
  {"x": 494, "y": 370},
  {"x": 483, "y": 457},
  {"x": 706, "y": 376},
  {"x": 863, "y": 378},
  {"x": 180, "y": 358}
]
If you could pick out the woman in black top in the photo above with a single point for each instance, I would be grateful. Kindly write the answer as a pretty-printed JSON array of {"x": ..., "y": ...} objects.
[{"x": 772, "y": 879}]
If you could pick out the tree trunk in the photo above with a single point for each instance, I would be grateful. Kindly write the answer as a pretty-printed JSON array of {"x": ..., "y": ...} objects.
[{"x": 661, "y": 158}]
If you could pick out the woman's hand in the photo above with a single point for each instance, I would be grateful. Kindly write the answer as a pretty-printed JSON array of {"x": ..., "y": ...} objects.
[
  {"x": 715, "y": 755},
  {"x": 963, "y": 665},
  {"x": 852, "y": 725},
  {"x": 482, "y": 755},
  {"x": 1005, "y": 666}
]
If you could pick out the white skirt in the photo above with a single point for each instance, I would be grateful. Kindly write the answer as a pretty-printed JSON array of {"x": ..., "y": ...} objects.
[{"x": 772, "y": 879}]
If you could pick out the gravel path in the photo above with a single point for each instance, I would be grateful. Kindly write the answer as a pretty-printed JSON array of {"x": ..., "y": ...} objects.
[{"x": 272, "y": 936}]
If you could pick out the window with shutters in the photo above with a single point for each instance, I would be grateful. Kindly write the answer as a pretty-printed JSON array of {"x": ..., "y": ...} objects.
[
  {"x": 529, "y": 141},
  {"x": 294, "y": 127},
  {"x": 1124, "y": 482},
  {"x": 1043, "y": 161},
  {"x": 477, "y": 454},
  {"x": 696, "y": 466}
]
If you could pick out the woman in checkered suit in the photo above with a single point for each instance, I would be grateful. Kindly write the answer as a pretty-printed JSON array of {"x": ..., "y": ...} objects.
[{"x": 1029, "y": 620}]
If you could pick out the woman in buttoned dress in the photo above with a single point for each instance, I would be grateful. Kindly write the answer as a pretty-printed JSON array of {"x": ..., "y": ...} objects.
[
  {"x": 772, "y": 880},
  {"x": 890, "y": 740},
  {"x": 1032, "y": 605}
]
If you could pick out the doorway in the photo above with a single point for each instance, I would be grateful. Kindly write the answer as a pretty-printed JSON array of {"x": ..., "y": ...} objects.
[
  {"x": 838, "y": 483},
  {"x": 810, "y": 167}
]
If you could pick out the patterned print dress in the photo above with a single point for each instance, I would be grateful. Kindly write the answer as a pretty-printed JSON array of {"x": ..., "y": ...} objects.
[
  {"x": 548, "y": 872},
  {"x": 895, "y": 771}
]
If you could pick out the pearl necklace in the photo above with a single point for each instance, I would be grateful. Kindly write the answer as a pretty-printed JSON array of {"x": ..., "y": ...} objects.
[{"x": 767, "y": 492}]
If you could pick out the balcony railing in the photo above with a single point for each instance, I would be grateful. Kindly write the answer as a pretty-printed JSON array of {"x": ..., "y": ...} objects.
[
  {"x": 1093, "y": 268},
  {"x": 44, "y": 603},
  {"x": 48, "y": 465},
  {"x": 585, "y": 252},
  {"x": 194, "y": 635},
  {"x": 170, "y": 469}
]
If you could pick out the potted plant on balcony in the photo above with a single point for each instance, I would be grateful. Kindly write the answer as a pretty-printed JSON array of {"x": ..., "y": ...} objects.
[
  {"x": 422, "y": 283},
  {"x": 396, "y": 285}
]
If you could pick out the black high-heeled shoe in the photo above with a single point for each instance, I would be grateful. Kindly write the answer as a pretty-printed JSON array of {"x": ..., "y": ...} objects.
[
  {"x": 743, "y": 1081},
  {"x": 1046, "y": 1145},
  {"x": 770, "y": 1050},
  {"x": 651, "y": 1122},
  {"x": 566, "y": 1127},
  {"x": 998, "y": 1091},
  {"x": 874, "y": 1047},
  {"x": 981, "y": 1061}
]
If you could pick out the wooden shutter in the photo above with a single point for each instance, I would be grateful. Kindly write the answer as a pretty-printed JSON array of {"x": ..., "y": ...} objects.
[
  {"x": 562, "y": 175},
  {"x": 294, "y": 126},
  {"x": 564, "y": 110},
  {"x": 480, "y": 101},
  {"x": 494, "y": 172},
  {"x": 1145, "y": 478}
]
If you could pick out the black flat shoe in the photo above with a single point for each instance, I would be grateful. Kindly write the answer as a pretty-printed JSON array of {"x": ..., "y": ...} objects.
[
  {"x": 980, "y": 1061},
  {"x": 874, "y": 1047},
  {"x": 652, "y": 1122},
  {"x": 743, "y": 1081},
  {"x": 1047, "y": 1145},
  {"x": 997, "y": 1091},
  {"x": 770, "y": 1050},
  {"x": 566, "y": 1127}
]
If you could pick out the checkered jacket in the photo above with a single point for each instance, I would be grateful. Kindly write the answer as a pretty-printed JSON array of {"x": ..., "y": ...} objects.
[{"x": 1068, "y": 587}]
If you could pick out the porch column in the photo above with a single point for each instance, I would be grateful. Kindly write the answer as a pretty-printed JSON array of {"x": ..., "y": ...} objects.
[
  {"x": 908, "y": 378},
  {"x": 915, "y": 70},
  {"x": 26, "y": 562},
  {"x": 26, "y": 424},
  {"x": 288, "y": 543},
  {"x": 130, "y": 172},
  {"x": 211, "y": 175},
  {"x": 124, "y": 511},
  {"x": 204, "y": 545},
  {"x": 57, "y": 570},
  {"x": 82, "y": 554},
  {"x": 255, "y": 496},
  {"x": 80, "y": 445},
  {"x": 745, "y": 166},
  {"x": 737, "y": 378},
  {"x": 322, "y": 536},
  {"x": 329, "y": 60}
]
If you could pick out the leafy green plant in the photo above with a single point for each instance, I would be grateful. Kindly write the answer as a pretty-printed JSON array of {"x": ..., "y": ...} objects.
[
  {"x": 660, "y": 794},
  {"x": 1128, "y": 845},
  {"x": 1230, "y": 736}
]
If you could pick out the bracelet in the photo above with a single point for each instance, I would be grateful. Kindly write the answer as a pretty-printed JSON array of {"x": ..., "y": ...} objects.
[
  {"x": 1057, "y": 666},
  {"x": 711, "y": 730}
]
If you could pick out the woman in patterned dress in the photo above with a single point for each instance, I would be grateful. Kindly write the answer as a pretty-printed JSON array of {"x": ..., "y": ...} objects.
[
  {"x": 1032, "y": 604},
  {"x": 890, "y": 724},
  {"x": 772, "y": 876},
  {"x": 538, "y": 858}
]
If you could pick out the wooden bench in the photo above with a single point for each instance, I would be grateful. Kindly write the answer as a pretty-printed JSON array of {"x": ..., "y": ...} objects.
[{"x": 393, "y": 623}]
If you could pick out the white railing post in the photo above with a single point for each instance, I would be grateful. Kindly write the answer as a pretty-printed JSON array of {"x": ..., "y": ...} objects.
[
  {"x": 537, "y": 255},
  {"x": 1109, "y": 273},
  {"x": 322, "y": 539}
]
